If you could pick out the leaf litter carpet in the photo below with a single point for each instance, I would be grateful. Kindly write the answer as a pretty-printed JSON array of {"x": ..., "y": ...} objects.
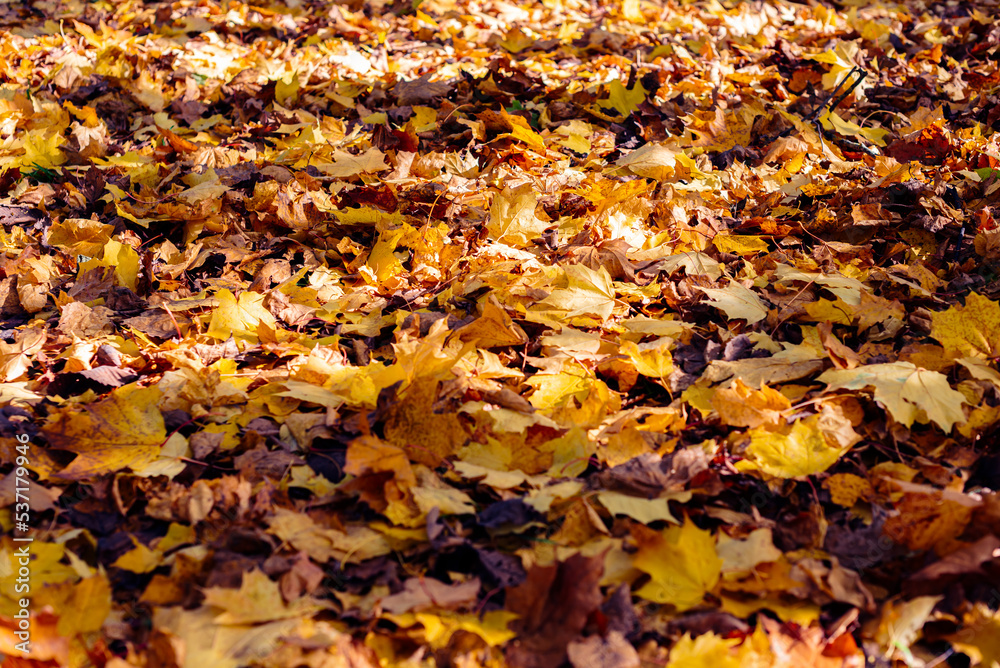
[{"x": 500, "y": 334}]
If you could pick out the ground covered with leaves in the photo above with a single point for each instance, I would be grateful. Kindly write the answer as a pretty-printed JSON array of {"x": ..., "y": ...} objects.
[{"x": 480, "y": 333}]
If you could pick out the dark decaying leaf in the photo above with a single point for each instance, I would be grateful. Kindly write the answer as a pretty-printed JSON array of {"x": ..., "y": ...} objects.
[{"x": 554, "y": 603}]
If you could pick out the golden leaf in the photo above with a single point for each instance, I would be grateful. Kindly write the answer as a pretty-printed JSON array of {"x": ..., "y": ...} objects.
[
  {"x": 493, "y": 329},
  {"x": 740, "y": 556},
  {"x": 257, "y": 600},
  {"x": 931, "y": 391},
  {"x": 589, "y": 292},
  {"x": 80, "y": 236},
  {"x": 706, "y": 651},
  {"x": 354, "y": 545},
  {"x": 973, "y": 329},
  {"x": 801, "y": 451},
  {"x": 979, "y": 636},
  {"x": 926, "y": 519},
  {"x": 739, "y": 244},
  {"x": 427, "y": 437},
  {"x": 123, "y": 430},
  {"x": 847, "y": 488},
  {"x": 239, "y": 318},
  {"x": 512, "y": 216},
  {"x": 650, "y": 359},
  {"x": 741, "y": 406},
  {"x": 621, "y": 99},
  {"x": 681, "y": 562}
]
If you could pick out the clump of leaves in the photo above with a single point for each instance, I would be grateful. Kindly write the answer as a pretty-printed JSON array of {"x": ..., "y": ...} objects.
[{"x": 500, "y": 334}]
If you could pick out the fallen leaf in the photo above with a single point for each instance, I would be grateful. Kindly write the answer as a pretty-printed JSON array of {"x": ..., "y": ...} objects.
[
  {"x": 800, "y": 451},
  {"x": 681, "y": 562},
  {"x": 737, "y": 302},
  {"x": 124, "y": 430},
  {"x": 257, "y": 600},
  {"x": 553, "y": 605},
  {"x": 972, "y": 329}
]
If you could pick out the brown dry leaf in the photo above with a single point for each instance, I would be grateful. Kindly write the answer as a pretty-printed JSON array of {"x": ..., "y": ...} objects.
[
  {"x": 842, "y": 356},
  {"x": 323, "y": 544},
  {"x": 554, "y": 604}
]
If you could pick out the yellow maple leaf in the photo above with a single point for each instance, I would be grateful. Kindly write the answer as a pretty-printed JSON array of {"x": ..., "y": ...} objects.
[
  {"x": 742, "y": 406},
  {"x": 589, "y": 292},
  {"x": 353, "y": 545},
  {"x": 367, "y": 454},
  {"x": 426, "y": 436},
  {"x": 831, "y": 121},
  {"x": 621, "y": 99},
  {"x": 207, "y": 643},
  {"x": 973, "y": 329},
  {"x": 143, "y": 559},
  {"x": 257, "y": 600},
  {"x": 903, "y": 389},
  {"x": 512, "y": 216},
  {"x": 640, "y": 509},
  {"x": 837, "y": 312},
  {"x": 574, "y": 135},
  {"x": 842, "y": 57},
  {"x": 931, "y": 391},
  {"x": 494, "y": 328},
  {"x": 652, "y": 161},
  {"x": 42, "y": 151},
  {"x": 124, "y": 430},
  {"x": 140, "y": 559},
  {"x": 740, "y": 556},
  {"x": 804, "y": 450},
  {"x": 681, "y": 562},
  {"x": 438, "y": 628},
  {"x": 737, "y": 302},
  {"x": 87, "y": 606},
  {"x": 523, "y": 132},
  {"x": 874, "y": 310},
  {"x": 651, "y": 359},
  {"x": 345, "y": 165},
  {"x": 80, "y": 236},
  {"x": 740, "y": 244},
  {"x": 718, "y": 130},
  {"x": 706, "y": 651},
  {"x": 239, "y": 318},
  {"x": 122, "y": 257},
  {"x": 15, "y": 358},
  {"x": 979, "y": 636}
]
